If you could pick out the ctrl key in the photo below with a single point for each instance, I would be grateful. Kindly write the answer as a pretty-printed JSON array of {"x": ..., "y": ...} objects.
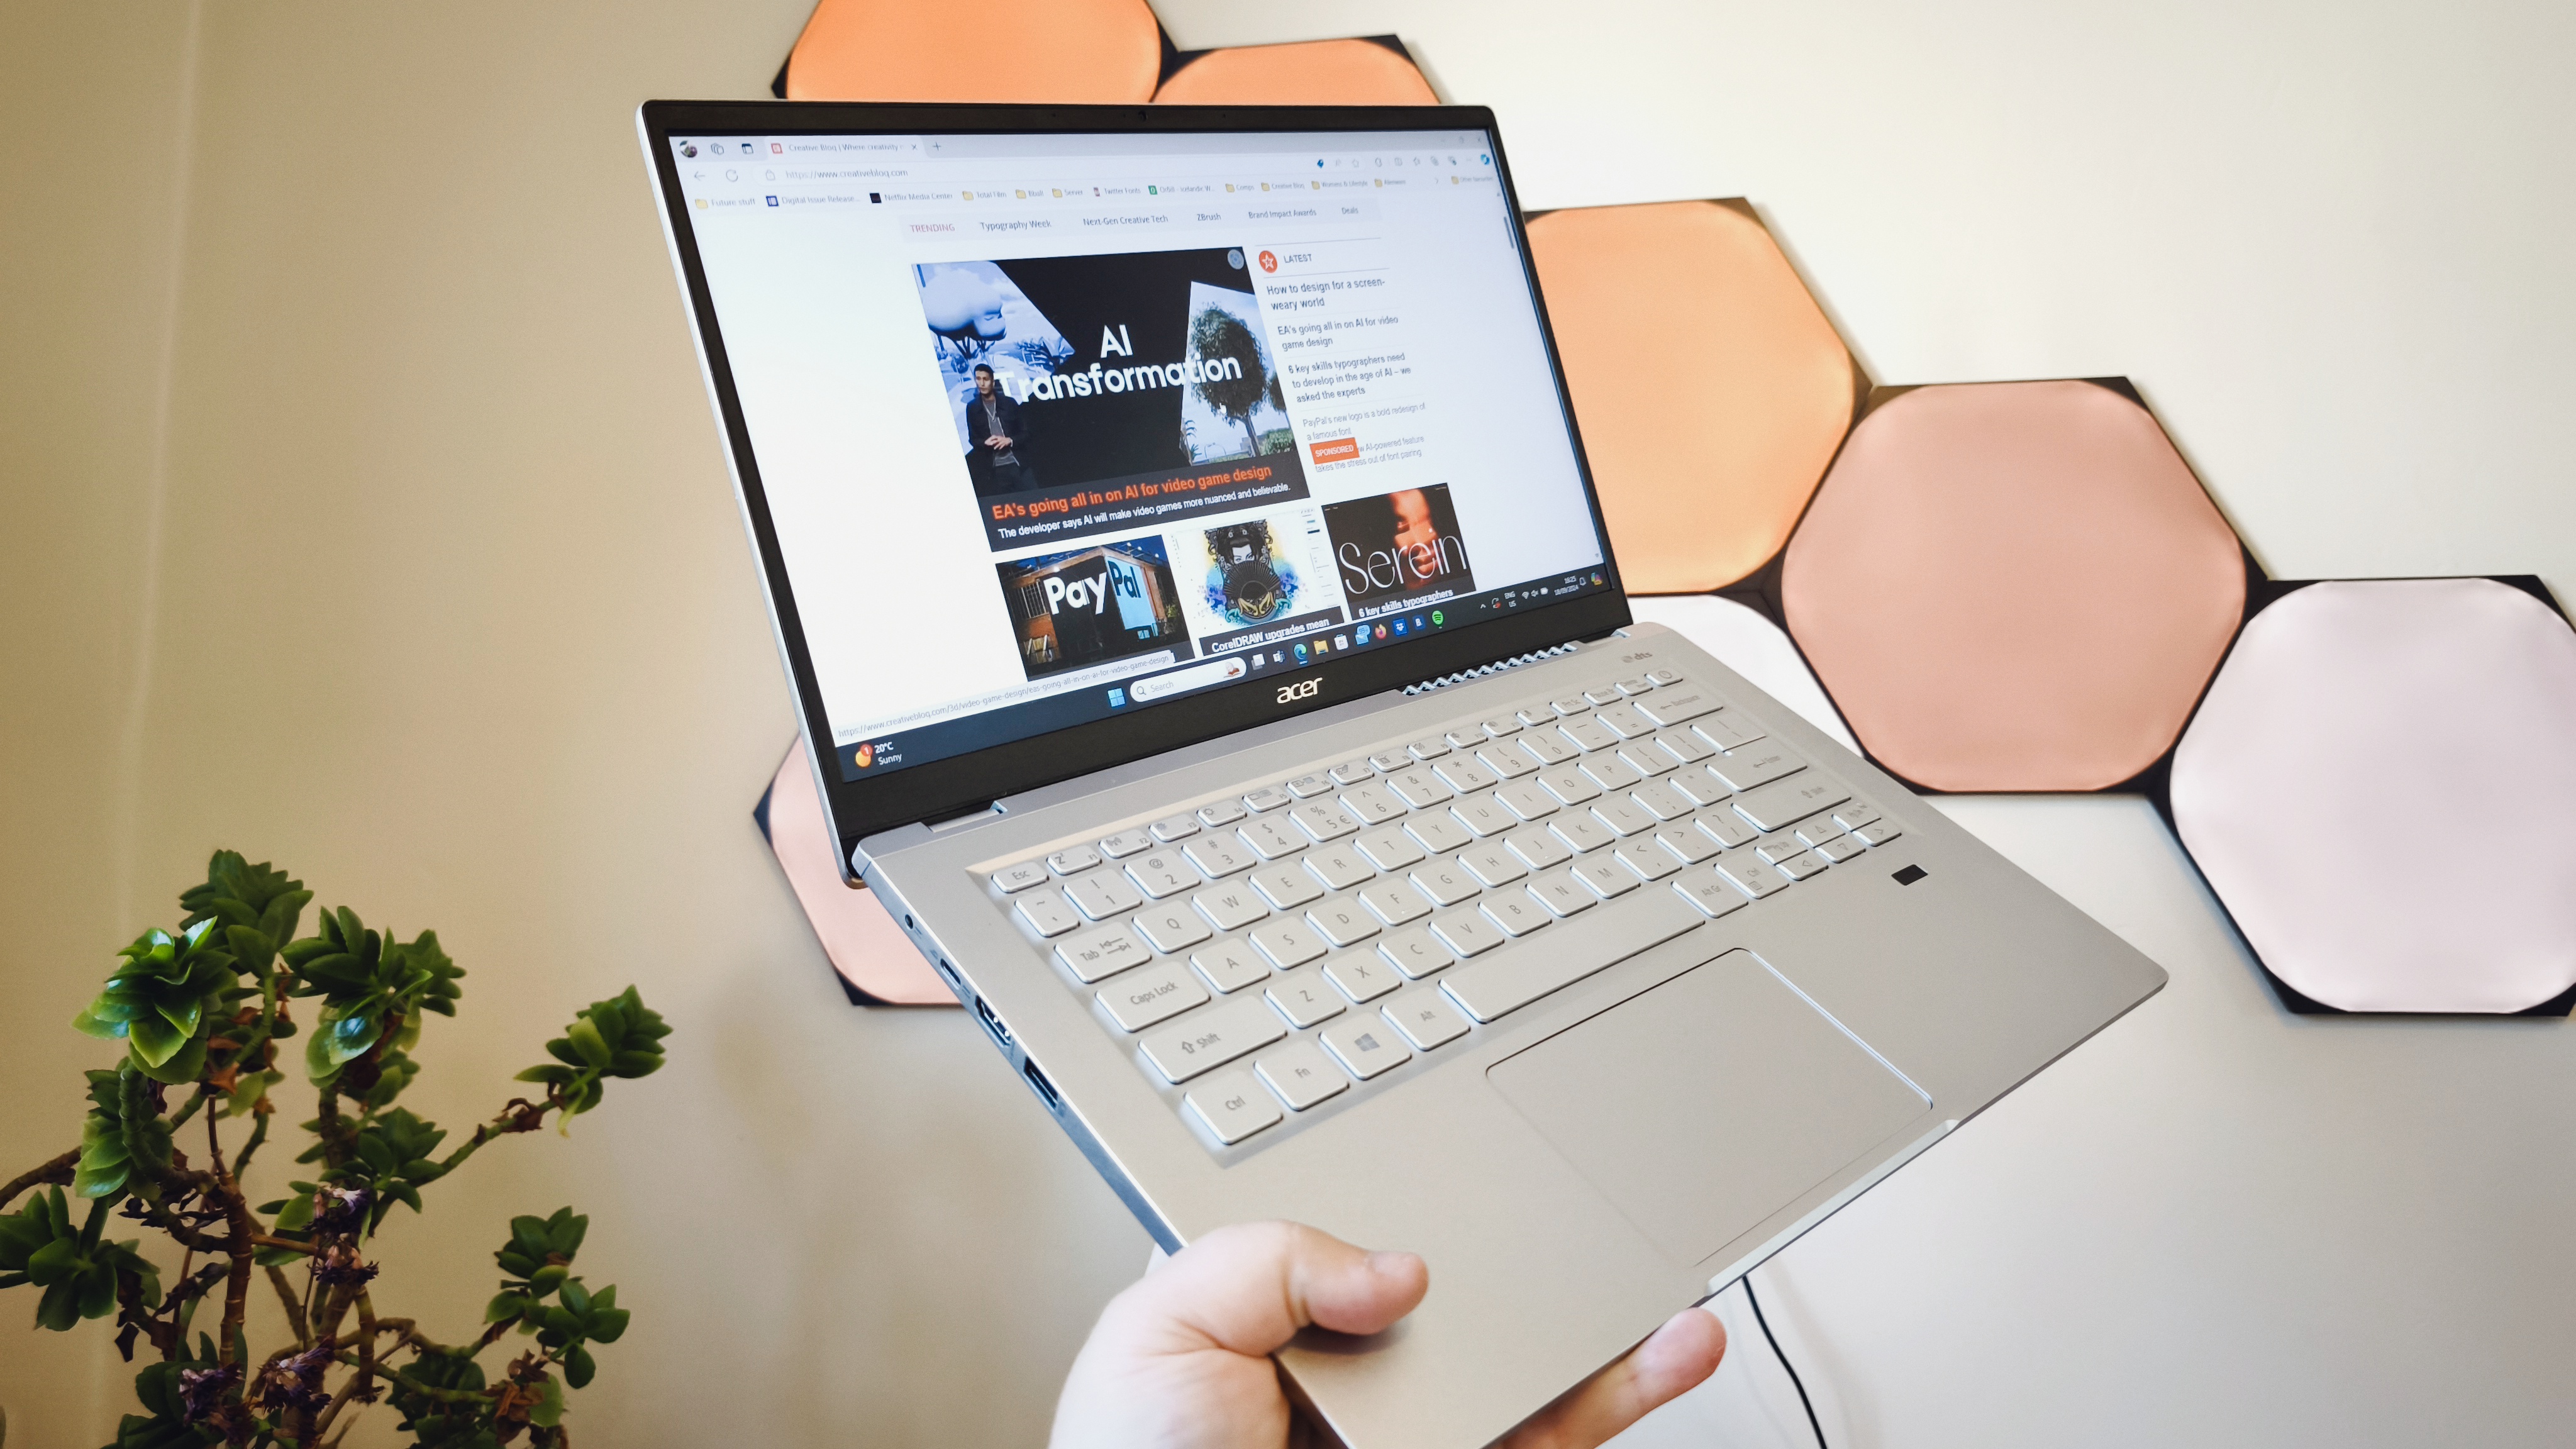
[{"x": 1234, "y": 1107}]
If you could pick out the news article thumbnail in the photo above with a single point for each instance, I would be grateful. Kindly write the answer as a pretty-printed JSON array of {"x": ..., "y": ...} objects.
[
  {"x": 1261, "y": 577},
  {"x": 1398, "y": 549},
  {"x": 1094, "y": 393},
  {"x": 1094, "y": 605}
]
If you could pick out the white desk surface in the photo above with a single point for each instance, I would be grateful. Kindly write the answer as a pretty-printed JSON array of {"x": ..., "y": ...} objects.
[{"x": 344, "y": 339}]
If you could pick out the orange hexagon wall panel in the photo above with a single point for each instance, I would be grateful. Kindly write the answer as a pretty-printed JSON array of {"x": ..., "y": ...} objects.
[
  {"x": 2013, "y": 586},
  {"x": 1306, "y": 73},
  {"x": 1709, "y": 386},
  {"x": 1063, "y": 51}
]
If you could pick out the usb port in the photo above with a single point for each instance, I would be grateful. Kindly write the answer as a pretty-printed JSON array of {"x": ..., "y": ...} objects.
[
  {"x": 993, "y": 1023},
  {"x": 1044, "y": 1088}
]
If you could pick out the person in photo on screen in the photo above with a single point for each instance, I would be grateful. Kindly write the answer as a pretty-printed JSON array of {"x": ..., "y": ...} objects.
[
  {"x": 1181, "y": 1359},
  {"x": 994, "y": 421}
]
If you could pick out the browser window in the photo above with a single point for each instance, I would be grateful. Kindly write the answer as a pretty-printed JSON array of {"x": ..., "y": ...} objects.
[{"x": 1056, "y": 427}]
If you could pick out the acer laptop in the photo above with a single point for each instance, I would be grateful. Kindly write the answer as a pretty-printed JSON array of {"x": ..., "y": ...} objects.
[{"x": 1199, "y": 613}]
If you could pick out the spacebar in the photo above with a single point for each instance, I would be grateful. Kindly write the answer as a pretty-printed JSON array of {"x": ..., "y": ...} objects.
[{"x": 1561, "y": 957}]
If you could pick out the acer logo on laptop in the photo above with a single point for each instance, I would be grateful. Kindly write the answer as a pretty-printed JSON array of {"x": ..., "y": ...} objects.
[{"x": 1302, "y": 689}]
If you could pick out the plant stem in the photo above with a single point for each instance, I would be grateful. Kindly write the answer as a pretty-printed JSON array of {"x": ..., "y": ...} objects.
[
  {"x": 186, "y": 1110},
  {"x": 58, "y": 1172},
  {"x": 520, "y": 1116},
  {"x": 258, "y": 1135},
  {"x": 240, "y": 1233},
  {"x": 294, "y": 1307}
]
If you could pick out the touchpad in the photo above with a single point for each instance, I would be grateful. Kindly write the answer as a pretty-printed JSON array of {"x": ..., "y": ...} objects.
[{"x": 1703, "y": 1106}]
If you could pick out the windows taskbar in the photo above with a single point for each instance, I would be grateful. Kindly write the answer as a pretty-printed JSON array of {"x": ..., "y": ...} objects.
[{"x": 1240, "y": 659}]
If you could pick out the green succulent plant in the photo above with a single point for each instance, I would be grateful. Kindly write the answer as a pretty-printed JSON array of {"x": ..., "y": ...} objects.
[{"x": 201, "y": 1010}]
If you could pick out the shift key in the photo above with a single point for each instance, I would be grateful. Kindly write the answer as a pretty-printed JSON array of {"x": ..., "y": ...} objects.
[
  {"x": 1210, "y": 1039},
  {"x": 1786, "y": 802}
]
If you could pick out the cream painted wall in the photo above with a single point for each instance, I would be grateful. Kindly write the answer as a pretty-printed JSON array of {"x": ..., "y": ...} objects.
[{"x": 451, "y": 613}]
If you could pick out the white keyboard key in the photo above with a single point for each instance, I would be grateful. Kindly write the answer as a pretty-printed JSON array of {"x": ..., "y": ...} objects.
[
  {"x": 1171, "y": 927},
  {"x": 1604, "y": 694},
  {"x": 1625, "y": 719},
  {"x": 1568, "y": 785},
  {"x": 1271, "y": 837},
  {"x": 1351, "y": 772},
  {"x": 1301, "y": 1075},
  {"x": 1361, "y": 975},
  {"x": 1221, "y": 812},
  {"x": 1623, "y": 816},
  {"x": 1304, "y": 999},
  {"x": 1483, "y": 815},
  {"x": 1462, "y": 774},
  {"x": 1698, "y": 786},
  {"x": 1517, "y": 914},
  {"x": 1506, "y": 762},
  {"x": 1687, "y": 846},
  {"x": 1342, "y": 920},
  {"x": 1786, "y": 802},
  {"x": 1607, "y": 877},
  {"x": 1139, "y": 999},
  {"x": 1211, "y": 1038},
  {"x": 1489, "y": 989},
  {"x": 1047, "y": 914},
  {"x": 1073, "y": 859},
  {"x": 1339, "y": 867},
  {"x": 1817, "y": 829},
  {"x": 1324, "y": 820},
  {"x": 1417, "y": 953},
  {"x": 1099, "y": 955},
  {"x": 1502, "y": 726},
  {"x": 1307, "y": 787},
  {"x": 1673, "y": 706},
  {"x": 1426, "y": 1018},
  {"x": 1855, "y": 812},
  {"x": 1230, "y": 907},
  {"x": 1610, "y": 772},
  {"x": 1802, "y": 865},
  {"x": 1229, "y": 966},
  {"x": 1179, "y": 827},
  {"x": 1537, "y": 848},
  {"x": 1588, "y": 734},
  {"x": 1727, "y": 730},
  {"x": 1418, "y": 787},
  {"x": 1644, "y": 757},
  {"x": 1647, "y": 859},
  {"x": 1366, "y": 1046},
  {"x": 1427, "y": 749},
  {"x": 1526, "y": 800},
  {"x": 1752, "y": 874},
  {"x": 1560, "y": 893},
  {"x": 1126, "y": 843},
  {"x": 1217, "y": 856},
  {"x": 1385, "y": 760},
  {"x": 1437, "y": 832},
  {"x": 1581, "y": 832},
  {"x": 1268, "y": 797},
  {"x": 1570, "y": 705},
  {"x": 1393, "y": 902},
  {"x": 1444, "y": 881},
  {"x": 1103, "y": 896},
  {"x": 1839, "y": 849},
  {"x": 1492, "y": 865},
  {"x": 1012, "y": 879},
  {"x": 1710, "y": 892},
  {"x": 1234, "y": 1107},
  {"x": 1535, "y": 716},
  {"x": 1684, "y": 746},
  {"x": 1389, "y": 849},
  {"x": 1754, "y": 765},
  {"x": 1777, "y": 848},
  {"x": 1163, "y": 874},
  {"x": 1661, "y": 677},
  {"x": 1878, "y": 832},
  {"x": 1546, "y": 747},
  {"x": 1466, "y": 933},
  {"x": 1466, "y": 738},
  {"x": 1285, "y": 886},
  {"x": 1288, "y": 943},
  {"x": 1723, "y": 826},
  {"x": 1660, "y": 800},
  {"x": 1371, "y": 804}
]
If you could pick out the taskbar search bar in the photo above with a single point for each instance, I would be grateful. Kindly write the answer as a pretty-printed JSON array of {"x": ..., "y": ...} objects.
[{"x": 1197, "y": 676}]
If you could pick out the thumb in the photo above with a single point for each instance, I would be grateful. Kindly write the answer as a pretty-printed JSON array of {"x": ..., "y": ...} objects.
[{"x": 1249, "y": 1288}]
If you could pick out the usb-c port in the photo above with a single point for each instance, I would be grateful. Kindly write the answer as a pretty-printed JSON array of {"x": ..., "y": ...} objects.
[
  {"x": 1044, "y": 1088},
  {"x": 993, "y": 1023}
]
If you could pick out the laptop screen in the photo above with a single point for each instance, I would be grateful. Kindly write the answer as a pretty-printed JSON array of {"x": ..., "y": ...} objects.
[{"x": 1053, "y": 428}]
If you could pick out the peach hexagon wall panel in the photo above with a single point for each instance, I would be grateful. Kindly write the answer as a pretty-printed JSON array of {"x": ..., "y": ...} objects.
[
  {"x": 1372, "y": 72},
  {"x": 1062, "y": 51}
]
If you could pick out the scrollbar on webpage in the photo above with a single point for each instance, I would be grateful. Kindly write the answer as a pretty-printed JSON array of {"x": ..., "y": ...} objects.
[{"x": 1197, "y": 676}]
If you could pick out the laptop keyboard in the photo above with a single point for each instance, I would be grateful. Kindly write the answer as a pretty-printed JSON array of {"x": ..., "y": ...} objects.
[{"x": 1291, "y": 943}]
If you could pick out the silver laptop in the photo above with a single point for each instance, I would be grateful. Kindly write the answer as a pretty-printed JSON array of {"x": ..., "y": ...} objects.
[{"x": 1199, "y": 613}]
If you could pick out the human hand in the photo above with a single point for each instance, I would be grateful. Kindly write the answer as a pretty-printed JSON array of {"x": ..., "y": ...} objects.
[{"x": 1181, "y": 1359}]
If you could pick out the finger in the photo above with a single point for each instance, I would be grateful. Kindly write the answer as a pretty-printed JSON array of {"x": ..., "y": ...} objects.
[
  {"x": 1673, "y": 1360},
  {"x": 1248, "y": 1288}
]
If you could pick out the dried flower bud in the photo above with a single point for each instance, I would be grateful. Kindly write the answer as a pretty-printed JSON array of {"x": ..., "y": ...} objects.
[
  {"x": 340, "y": 1209},
  {"x": 296, "y": 1382},
  {"x": 340, "y": 1266},
  {"x": 202, "y": 1391}
]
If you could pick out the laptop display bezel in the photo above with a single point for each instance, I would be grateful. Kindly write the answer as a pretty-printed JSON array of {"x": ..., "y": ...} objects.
[{"x": 939, "y": 789}]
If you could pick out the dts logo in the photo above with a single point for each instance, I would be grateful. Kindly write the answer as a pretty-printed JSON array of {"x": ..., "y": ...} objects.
[{"x": 1302, "y": 689}]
